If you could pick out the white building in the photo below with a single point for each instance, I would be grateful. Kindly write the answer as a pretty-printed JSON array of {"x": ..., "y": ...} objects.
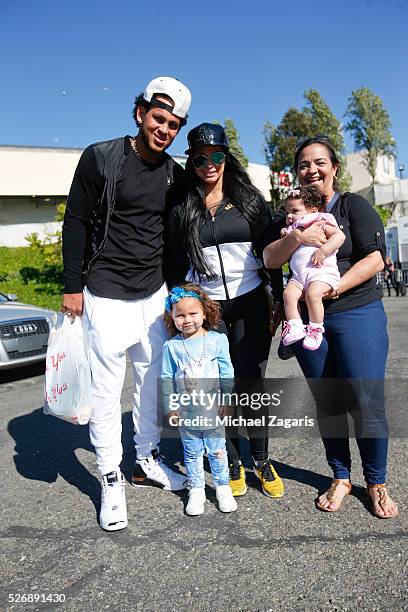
[
  {"x": 388, "y": 190},
  {"x": 34, "y": 179},
  {"x": 360, "y": 177}
]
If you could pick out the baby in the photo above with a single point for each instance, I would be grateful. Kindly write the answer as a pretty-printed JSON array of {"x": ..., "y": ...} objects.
[{"x": 314, "y": 271}]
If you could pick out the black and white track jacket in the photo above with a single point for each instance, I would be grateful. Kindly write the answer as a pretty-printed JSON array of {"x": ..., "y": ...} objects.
[{"x": 229, "y": 250}]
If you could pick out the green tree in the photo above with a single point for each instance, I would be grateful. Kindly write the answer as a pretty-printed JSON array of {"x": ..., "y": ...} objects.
[
  {"x": 323, "y": 121},
  {"x": 315, "y": 117},
  {"x": 234, "y": 143},
  {"x": 50, "y": 247},
  {"x": 281, "y": 140},
  {"x": 384, "y": 214},
  {"x": 370, "y": 126}
]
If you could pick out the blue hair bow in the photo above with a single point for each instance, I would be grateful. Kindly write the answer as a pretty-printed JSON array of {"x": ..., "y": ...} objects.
[{"x": 176, "y": 294}]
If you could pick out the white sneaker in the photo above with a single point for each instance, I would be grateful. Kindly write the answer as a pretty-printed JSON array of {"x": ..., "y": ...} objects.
[
  {"x": 113, "y": 514},
  {"x": 196, "y": 501},
  {"x": 314, "y": 337},
  {"x": 151, "y": 471},
  {"x": 226, "y": 501},
  {"x": 293, "y": 332}
]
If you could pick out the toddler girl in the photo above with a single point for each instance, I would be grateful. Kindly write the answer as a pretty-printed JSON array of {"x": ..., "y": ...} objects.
[
  {"x": 315, "y": 271},
  {"x": 196, "y": 365}
]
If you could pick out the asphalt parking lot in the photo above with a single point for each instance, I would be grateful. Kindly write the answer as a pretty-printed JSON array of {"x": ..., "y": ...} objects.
[{"x": 269, "y": 555}]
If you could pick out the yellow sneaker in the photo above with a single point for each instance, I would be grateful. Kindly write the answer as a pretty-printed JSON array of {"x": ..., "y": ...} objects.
[
  {"x": 272, "y": 484},
  {"x": 237, "y": 479}
]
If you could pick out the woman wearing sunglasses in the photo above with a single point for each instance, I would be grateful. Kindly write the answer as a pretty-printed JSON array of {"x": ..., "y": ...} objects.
[
  {"x": 217, "y": 236},
  {"x": 354, "y": 350}
]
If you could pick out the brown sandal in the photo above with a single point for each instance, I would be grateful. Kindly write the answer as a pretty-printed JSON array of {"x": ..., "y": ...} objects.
[
  {"x": 383, "y": 498},
  {"x": 330, "y": 494}
]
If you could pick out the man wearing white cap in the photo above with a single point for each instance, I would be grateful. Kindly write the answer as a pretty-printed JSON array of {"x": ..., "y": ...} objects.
[{"x": 113, "y": 256}]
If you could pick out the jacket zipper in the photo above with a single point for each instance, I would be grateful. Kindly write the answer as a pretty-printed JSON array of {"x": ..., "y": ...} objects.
[
  {"x": 102, "y": 245},
  {"x": 214, "y": 232}
]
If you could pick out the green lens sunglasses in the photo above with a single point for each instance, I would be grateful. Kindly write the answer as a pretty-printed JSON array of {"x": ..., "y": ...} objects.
[{"x": 201, "y": 161}]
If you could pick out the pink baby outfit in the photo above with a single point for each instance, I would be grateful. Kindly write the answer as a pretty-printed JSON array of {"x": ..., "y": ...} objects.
[{"x": 304, "y": 272}]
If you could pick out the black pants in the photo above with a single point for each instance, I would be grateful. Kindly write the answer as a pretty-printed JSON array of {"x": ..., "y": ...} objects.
[
  {"x": 390, "y": 281},
  {"x": 246, "y": 319}
]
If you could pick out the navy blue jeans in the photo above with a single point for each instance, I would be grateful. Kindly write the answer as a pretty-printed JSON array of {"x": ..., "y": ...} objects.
[{"x": 354, "y": 353}]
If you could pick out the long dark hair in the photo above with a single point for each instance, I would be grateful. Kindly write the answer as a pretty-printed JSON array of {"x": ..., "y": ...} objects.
[{"x": 238, "y": 190}]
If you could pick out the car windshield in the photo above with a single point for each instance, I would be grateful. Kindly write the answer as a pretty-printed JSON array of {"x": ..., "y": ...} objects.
[{"x": 3, "y": 298}]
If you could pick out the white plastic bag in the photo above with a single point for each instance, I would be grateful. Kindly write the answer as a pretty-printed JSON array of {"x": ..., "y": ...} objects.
[{"x": 67, "y": 392}]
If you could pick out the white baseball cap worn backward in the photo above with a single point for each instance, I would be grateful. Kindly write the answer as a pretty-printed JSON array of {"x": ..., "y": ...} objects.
[{"x": 173, "y": 88}]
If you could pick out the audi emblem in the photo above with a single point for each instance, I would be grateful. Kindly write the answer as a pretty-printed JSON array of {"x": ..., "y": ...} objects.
[{"x": 27, "y": 328}]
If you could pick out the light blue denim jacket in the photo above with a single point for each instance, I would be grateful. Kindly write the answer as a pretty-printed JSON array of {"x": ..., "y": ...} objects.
[{"x": 212, "y": 380}]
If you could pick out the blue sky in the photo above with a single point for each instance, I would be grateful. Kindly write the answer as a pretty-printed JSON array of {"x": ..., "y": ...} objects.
[{"x": 70, "y": 70}]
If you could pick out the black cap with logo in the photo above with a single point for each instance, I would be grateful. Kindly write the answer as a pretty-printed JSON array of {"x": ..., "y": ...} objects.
[{"x": 206, "y": 134}]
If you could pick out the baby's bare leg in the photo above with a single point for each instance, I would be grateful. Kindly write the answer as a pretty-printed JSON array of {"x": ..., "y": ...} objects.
[
  {"x": 291, "y": 296},
  {"x": 314, "y": 300}
]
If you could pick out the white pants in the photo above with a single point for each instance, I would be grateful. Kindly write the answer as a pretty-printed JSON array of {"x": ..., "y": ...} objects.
[{"x": 114, "y": 328}]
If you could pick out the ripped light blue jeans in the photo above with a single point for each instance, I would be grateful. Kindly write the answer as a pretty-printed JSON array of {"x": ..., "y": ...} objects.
[{"x": 212, "y": 441}]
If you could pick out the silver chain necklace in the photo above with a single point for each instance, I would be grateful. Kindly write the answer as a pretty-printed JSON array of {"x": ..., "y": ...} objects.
[
  {"x": 199, "y": 361},
  {"x": 134, "y": 145}
]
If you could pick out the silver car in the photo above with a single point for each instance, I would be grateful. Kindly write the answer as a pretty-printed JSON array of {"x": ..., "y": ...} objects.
[{"x": 24, "y": 332}]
